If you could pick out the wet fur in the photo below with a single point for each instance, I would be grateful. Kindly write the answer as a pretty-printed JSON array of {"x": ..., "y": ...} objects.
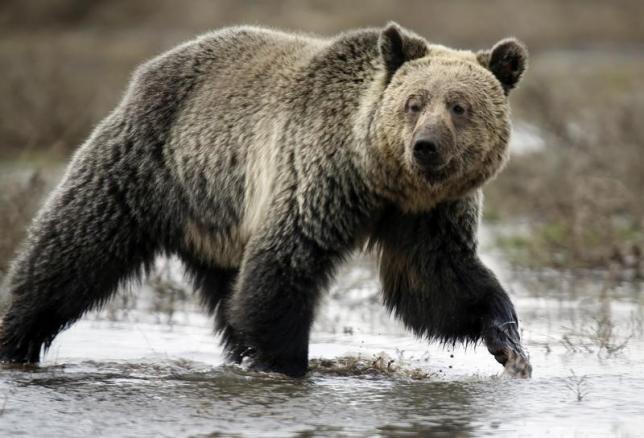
[
  {"x": 433, "y": 279},
  {"x": 262, "y": 188}
]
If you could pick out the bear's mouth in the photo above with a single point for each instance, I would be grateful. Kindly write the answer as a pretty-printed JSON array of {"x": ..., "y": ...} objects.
[{"x": 438, "y": 172}]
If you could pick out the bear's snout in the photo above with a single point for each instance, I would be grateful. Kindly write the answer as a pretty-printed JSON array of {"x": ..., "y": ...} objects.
[
  {"x": 428, "y": 151},
  {"x": 432, "y": 143}
]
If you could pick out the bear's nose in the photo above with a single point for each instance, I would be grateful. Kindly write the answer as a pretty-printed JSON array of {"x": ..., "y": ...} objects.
[{"x": 426, "y": 152}]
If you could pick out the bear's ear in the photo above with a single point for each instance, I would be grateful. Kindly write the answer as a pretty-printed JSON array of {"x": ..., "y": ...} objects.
[
  {"x": 398, "y": 46},
  {"x": 507, "y": 60}
]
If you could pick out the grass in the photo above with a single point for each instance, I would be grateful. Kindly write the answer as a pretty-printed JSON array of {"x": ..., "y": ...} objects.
[
  {"x": 377, "y": 365},
  {"x": 582, "y": 193},
  {"x": 556, "y": 244},
  {"x": 578, "y": 385},
  {"x": 601, "y": 338},
  {"x": 18, "y": 203}
]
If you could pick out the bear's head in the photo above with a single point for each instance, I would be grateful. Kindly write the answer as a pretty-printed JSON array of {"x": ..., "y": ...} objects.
[{"x": 442, "y": 123}]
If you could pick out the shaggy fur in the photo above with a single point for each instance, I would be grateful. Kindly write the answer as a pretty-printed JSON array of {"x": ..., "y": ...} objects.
[
  {"x": 262, "y": 159},
  {"x": 434, "y": 281}
]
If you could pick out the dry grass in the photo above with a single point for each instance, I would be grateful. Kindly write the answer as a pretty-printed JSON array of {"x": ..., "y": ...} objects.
[
  {"x": 546, "y": 23},
  {"x": 582, "y": 194},
  {"x": 66, "y": 63},
  {"x": 578, "y": 385},
  {"x": 601, "y": 338},
  {"x": 51, "y": 97},
  {"x": 18, "y": 203},
  {"x": 377, "y": 365},
  {"x": 169, "y": 294}
]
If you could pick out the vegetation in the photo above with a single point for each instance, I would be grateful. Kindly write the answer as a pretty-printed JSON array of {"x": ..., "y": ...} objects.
[
  {"x": 18, "y": 203},
  {"x": 66, "y": 63},
  {"x": 377, "y": 365},
  {"x": 581, "y": 194},
  {"x": 578, "y": 385}
]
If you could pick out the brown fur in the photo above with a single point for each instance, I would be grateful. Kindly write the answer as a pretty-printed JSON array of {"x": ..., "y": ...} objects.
[{"x": 262, "y": 158}]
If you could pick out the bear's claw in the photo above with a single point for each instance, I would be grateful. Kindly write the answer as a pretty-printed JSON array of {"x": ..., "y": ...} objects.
[
  {"x": 502, "y": 342},
  {"x": 518, "y": 365}
]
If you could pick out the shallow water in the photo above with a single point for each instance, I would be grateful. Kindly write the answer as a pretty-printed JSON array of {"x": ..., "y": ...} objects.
[{"x": 134, "y": 373}]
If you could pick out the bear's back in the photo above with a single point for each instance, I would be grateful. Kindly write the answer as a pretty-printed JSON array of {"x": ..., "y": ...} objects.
[{"x": 246, "y": 109}]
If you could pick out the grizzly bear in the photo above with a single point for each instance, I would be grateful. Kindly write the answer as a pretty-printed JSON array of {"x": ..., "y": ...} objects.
[{"x": 263, "y": 159}]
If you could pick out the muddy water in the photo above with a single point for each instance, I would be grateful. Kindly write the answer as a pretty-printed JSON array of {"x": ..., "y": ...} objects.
[{"x": 156, "y": 370}]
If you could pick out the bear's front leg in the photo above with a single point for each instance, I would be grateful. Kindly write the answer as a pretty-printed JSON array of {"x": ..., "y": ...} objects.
[
  {"x": 273, "y": 304},
  {"x": 434, "y": 281},
  {"x": 504, "y": 343}
]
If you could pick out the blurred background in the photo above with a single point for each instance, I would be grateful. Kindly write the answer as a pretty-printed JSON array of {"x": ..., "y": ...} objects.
[
  {"x": 563, "y": 228},
  {"x": 571, "y": 198}
]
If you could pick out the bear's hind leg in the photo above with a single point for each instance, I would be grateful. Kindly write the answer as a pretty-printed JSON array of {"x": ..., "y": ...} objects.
[
  {"x": 274, "y": 301},
  {"x": 215, "y": 285},
  {"x": 82, "y": 245}
]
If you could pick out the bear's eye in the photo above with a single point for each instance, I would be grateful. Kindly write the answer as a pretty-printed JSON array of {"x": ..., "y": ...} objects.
[
  {"x": 458, "y": 110},
  {"x": 413, "y": 105}
]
